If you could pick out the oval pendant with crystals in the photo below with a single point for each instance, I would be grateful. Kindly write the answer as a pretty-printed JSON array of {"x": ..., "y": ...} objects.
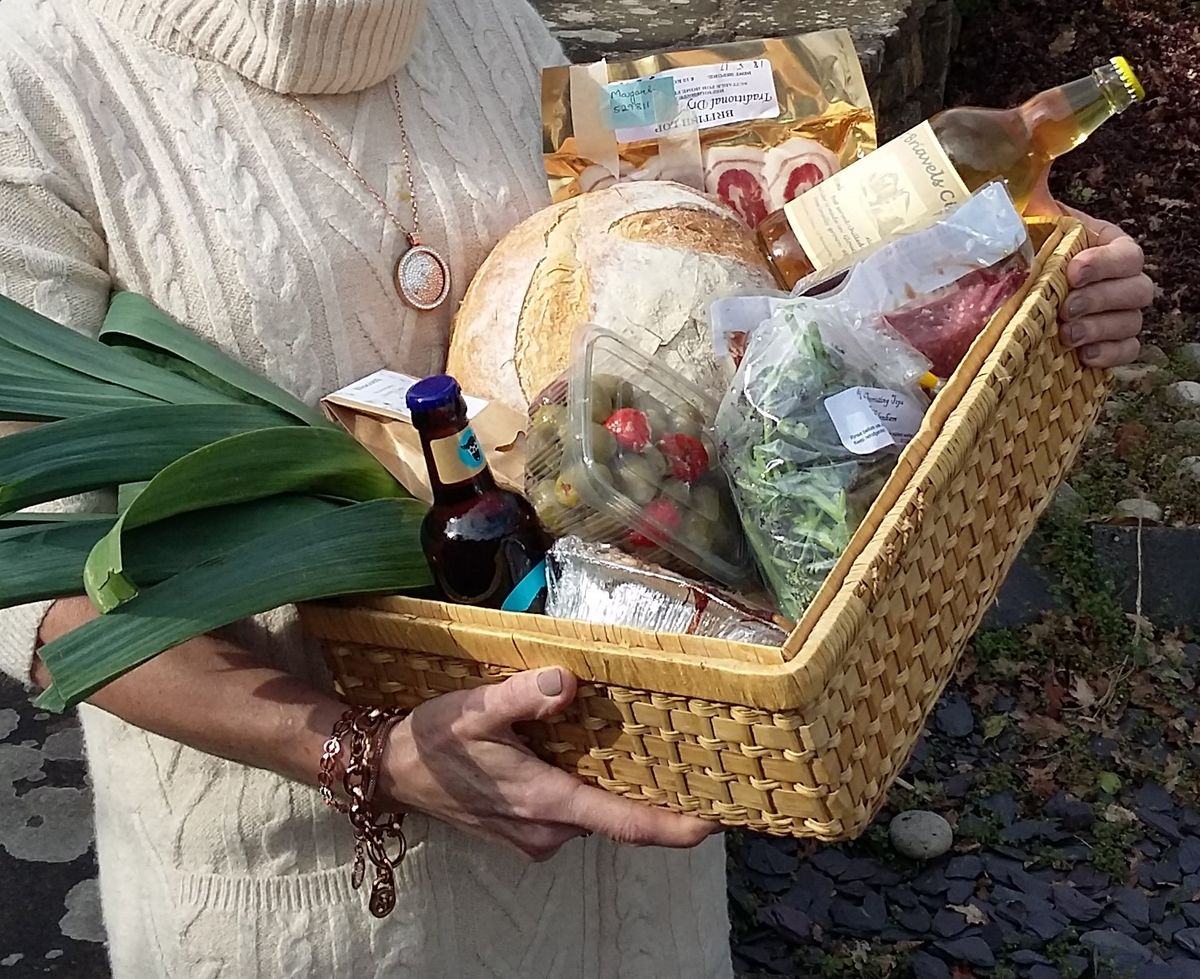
[{"x": 422, "y": 278}]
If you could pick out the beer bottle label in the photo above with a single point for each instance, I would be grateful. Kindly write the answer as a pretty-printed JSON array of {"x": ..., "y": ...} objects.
[
  {"x": 899, "y": 186},
  {"x": 457, "y": 458}
]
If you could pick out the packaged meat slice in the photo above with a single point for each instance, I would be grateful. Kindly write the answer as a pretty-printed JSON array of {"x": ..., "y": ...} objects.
[
  {"x": 737, "y": 175},
  {"x": 794, "y": 166},
  {"x": 754, "y": 123}
]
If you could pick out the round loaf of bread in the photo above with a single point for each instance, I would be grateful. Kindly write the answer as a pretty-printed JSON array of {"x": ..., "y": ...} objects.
[{"x": 644, "y": 259}]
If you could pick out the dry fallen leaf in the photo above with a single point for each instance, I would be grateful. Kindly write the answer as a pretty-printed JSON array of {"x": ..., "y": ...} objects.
[
  {"x": 1040, "y": 726},
  {"x": 1063, "y": 43},
  {"x": 1083, "y": 693},
  {"x": 973, "y": 914}
]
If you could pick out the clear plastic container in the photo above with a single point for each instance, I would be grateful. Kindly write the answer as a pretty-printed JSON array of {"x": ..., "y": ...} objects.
[{"x": 622, "y": 452}]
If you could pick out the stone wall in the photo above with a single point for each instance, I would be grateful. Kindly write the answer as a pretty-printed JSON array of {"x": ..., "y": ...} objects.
[{"x": 904, "y": 44}]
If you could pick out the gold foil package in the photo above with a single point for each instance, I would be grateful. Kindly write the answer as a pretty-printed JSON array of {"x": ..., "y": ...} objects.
[{"x": 755, "y": 123}]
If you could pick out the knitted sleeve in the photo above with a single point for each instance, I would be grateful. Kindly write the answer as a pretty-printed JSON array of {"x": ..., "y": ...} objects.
[
  {"x": 544, "y": 49},
  {"x": 52, "y": 259}
]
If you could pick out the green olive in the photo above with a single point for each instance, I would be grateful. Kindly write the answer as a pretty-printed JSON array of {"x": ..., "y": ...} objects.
[
  {"x": 601, "y": 405},
  {"x": 625, "y": 395},
  {"x": 698, "y": 532},
  {"x": 607, "y": 385},
  {"x": 552, "y": 417},
  {"x": 656, "y": 460},
  {"x": 566, "y": 488},
  {"x": 706, "y": 502},
  {"x": 638, "y": 479},
  {"x": 686, "y": 420},
  {"x": 545, "y": 502},
  {"x": 604, "y": 446},
  {"x": 680, "y": 492},
  {"x": 542, "y": 440}
]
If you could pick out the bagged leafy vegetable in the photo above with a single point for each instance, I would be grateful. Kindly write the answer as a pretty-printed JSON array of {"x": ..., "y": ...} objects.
[{"x": 818, "y": 412}]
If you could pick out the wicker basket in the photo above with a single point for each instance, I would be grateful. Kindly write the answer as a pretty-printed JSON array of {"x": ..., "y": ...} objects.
[{"x": 802, "y": 740}]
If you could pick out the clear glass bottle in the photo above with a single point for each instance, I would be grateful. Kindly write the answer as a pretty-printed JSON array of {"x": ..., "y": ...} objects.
[{"x": 936, "y": 166}]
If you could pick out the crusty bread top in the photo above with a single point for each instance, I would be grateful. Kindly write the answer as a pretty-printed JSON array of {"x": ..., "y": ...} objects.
[{"x": 647, "y": 256}]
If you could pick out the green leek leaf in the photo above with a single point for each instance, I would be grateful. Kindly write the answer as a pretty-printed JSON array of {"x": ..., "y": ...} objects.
[
  {"x": 35, "y": 334},
  {"x": 18, "y": 523},
  {"x": 136, "y": 324},
  {"x": 45, "y": 560},
  {"x": 113, "y": 447},
  {"x": 367, "y": 547},
  {"x": 248, "y": 466},
  {"x": 30, "y": 398}
]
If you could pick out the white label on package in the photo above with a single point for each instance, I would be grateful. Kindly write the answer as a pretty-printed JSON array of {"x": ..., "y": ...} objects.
[
  {"x": 871, "y": 419},
  {"x": 716, "y": 95},
  {"x": 385, "y": 391}
]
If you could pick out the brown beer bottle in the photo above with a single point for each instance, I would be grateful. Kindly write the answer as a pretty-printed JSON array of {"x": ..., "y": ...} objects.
[
  {"x": 481, "y": 541},
  {"x": 936, "y": 166}
]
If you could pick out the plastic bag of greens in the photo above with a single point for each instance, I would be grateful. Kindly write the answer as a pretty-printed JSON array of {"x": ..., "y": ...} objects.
[{"x": 823, "y": 402}]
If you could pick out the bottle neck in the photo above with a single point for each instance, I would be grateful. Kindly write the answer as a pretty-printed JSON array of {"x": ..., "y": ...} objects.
[
  {"x": 454, "y": 459},
  {"x": 1061, "y": 118}
]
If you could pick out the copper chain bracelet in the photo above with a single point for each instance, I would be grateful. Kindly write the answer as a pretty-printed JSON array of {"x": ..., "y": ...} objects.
[{"x": 367, "y": 731}]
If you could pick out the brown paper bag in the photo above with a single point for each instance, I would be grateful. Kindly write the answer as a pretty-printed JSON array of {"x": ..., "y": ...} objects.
[{"x": 372, "y": 411}]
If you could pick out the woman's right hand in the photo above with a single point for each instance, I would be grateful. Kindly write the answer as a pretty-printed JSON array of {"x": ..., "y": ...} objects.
[{"x": 457, "y": 758}]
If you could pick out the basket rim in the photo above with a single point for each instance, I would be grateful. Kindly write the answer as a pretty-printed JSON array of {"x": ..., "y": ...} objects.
[{"x": 780, "y": 678}]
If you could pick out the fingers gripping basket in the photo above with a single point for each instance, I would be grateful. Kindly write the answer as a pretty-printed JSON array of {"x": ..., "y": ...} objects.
[{"x": 802, "y": 740}]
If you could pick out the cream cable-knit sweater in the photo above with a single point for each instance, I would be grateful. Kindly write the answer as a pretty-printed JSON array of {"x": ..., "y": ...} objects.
[{"x": 144, "y": 146}]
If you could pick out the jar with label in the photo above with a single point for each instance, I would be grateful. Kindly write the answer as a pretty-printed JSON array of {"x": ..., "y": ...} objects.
[
  {"x": 935, "y": 167},
  {"x": 481, "y": 541}
]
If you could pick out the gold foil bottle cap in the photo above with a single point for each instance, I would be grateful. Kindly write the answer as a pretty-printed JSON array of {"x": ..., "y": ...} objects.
[{"x": 1126, "y": 72}]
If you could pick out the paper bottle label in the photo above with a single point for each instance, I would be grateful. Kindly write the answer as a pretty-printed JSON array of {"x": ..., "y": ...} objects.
[
  {"x": 457, "y": 458},
  {"x": 899, "y": 186}
]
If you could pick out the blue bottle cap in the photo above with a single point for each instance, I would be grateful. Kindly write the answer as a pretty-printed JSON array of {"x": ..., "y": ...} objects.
[{"x": 433, "y": 393}]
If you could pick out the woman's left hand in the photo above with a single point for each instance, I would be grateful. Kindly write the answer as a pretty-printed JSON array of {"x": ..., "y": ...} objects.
[{"x": 1102, "y": 316}]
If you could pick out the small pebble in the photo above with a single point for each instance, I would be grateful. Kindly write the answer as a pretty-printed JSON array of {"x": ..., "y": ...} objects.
[
  {"x": 1153, "y": 355},
  {"x": 1184, "y": 394},
  {"x": 1188, "y": 429},
  {"x": 1189, "y": 468},
  {"x": 1139, "y": 377},
  {"x": 1189, "y": 353},
  {"x": 921, "y": 835}
]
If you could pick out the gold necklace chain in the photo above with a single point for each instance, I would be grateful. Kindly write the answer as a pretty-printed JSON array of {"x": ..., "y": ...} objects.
[
  {"x": 413, "y": 236},
  {"x": 421, "y": 275}
]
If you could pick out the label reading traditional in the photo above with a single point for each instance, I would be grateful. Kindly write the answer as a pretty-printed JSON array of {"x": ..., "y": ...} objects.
[{"x": 712, "y": 95}]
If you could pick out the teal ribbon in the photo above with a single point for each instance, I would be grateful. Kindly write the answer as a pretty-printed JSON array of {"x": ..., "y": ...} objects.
[{"x": 521, "y": 598}]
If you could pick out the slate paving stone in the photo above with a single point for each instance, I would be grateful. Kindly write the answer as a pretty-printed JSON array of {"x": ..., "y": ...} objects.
[
  {"x": 809, "y": 886},
  {"x": 886, "y": 878},
  {"x": 1165, "y": 930},
  {"x": 949, "y": 924},
  {"x": 1191, "y": 911},
  {"x": 994, "y": 935},
  {"x": 954, "y": 717},
  {"x": 1119, "y": 950},
  {"x": 854, "y": 888},
  {"x": 1070, "y": 812},
  {"x": 1158, "y": 907},
  {"x": 966, "y": 867},
  {"x": 903, "y": 896},
  {"x": 999, "y": 867},
  {"x": 1002, "y": 805},
  {"x": 972, "y": 950},
  {"x": 1148, "y": 848},
  {"x": 859, "y": 869},
  {"x": 1153, "y": 797},
  {"x": 1190, "y": 820},
  {"x": 959, "y": 891},
  {"x": 1103, "y": 748},
  {"x": 1189, "y": 940},
  {"x": 867, "y": 918},
  {"x": 766, "y": 857},
  {"x": 914, "y": 919},
  {"x": 932, "y": 882},
  {"x": 770, "y": 884},
  {"x": 1088, "y": 879},
  {"x": 957, "y": 786},
  {"x": 1075, "y": 905},
  {"x": 1027, "y": 957},
  {"x": 1166, "y": 872},
  {"x": 1163, "y": 823},
  {"x": 1046, "y": 924},
  {"x": 1133, "y": 904},
  {"x": 1189, "y": 855},
  {"x": 926, "y": 966},
  {"x": 1028, "y": 884},
  {"x": 1044, "y": 972},
  {"x": 1013, "y": 853},
  {"x": 830, "y": 862},
  {"x": 1030, "y": 829}
]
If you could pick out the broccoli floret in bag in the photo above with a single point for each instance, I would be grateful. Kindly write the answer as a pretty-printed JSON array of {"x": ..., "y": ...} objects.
[{"x": 800, "y": 489}]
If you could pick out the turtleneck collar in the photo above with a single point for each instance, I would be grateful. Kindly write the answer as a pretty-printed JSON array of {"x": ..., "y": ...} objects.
[{"x": 298, "y": 46}]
